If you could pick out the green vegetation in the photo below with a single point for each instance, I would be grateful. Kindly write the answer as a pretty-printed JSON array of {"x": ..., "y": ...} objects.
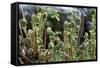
[{"x": 32, "y": 47}]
